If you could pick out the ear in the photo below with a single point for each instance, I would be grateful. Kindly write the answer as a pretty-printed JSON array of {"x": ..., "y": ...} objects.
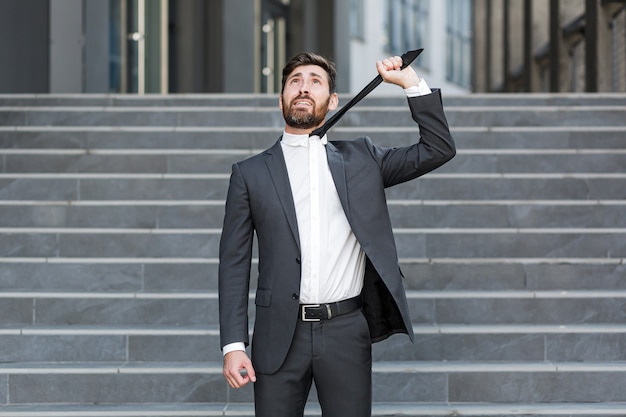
[
  {"x": 280, "y": 102},
  {"x": 334, "y": 101}
]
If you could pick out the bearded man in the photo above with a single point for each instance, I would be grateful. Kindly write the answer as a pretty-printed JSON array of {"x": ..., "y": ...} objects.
[{"x": 329, "y": 282}]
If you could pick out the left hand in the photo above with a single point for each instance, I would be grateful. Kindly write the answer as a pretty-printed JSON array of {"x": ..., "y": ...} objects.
[{"x": 389, "y": 70}]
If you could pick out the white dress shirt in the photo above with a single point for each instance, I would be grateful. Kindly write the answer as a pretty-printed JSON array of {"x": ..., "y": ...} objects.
[{"x": 332, "y": 260}]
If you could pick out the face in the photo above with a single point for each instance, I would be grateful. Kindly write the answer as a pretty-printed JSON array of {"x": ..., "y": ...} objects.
[{"x": 306, "y": 98}]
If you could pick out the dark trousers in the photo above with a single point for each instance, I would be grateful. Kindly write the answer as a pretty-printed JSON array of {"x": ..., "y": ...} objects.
[{"x": 334, "y": 354}]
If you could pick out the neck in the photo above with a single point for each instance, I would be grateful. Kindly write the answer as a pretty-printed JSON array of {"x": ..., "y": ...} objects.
[{"x": 297, "y": 131}]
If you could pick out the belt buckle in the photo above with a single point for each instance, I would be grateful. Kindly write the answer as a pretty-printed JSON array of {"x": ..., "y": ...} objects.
[{"x": 303, "y": 312}]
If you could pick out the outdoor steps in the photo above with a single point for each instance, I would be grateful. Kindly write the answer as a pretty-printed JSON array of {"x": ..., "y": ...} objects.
[{"x": 513, "y": 255}]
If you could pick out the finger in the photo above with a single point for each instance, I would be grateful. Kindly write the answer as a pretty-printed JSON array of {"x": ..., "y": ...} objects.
[
  {"x": 235, "y": 379},
  {"x": 392, "y": 63},
  {"x": 249, "y": 372},
  {"x": 232, "y": 375},
  {"x": 387, "y": 64}
]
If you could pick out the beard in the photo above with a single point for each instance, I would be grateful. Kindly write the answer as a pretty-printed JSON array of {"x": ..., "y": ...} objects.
[{"x": 303, "y": 118}]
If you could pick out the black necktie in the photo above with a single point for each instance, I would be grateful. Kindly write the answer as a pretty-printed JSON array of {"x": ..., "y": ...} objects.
[{"x": 407, "y": 58}]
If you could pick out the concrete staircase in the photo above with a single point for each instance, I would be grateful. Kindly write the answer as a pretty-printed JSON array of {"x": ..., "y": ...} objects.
[{"x": 514, "y": 253}]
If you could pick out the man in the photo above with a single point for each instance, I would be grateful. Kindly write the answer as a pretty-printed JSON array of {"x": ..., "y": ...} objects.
[{"x": 329, "y": 283}]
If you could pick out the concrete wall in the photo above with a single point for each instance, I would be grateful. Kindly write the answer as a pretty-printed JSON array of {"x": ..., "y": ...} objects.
[
  {"x": 96, "y": 46},
  {"x": 66, "y": 46},
  {"x": 24, "y": 46},
  {"x": 241, "y": 19}
]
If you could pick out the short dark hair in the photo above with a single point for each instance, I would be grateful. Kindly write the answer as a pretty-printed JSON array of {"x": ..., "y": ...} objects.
[{"x": 310, "y": 58}]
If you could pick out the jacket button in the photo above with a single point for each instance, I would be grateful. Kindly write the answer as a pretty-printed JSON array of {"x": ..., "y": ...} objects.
[
  {"x": 298, "y": 261},
  {"x": 295, "y": 296}
]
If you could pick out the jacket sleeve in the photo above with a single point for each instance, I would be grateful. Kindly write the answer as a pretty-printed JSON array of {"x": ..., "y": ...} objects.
[
  {"x": 235, "y": 258},
  {"x": 434, "y": 148}
]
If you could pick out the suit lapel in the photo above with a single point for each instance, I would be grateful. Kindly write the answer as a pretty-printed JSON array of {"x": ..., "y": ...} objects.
[
  {"x": 275, "y": 162},
  {"x": 338, "y": 172}
]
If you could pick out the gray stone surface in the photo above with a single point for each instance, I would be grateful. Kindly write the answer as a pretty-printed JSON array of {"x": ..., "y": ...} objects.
[
  {"x": 586, "y": 347},
  {"x": 16, "y": 312},
  {"x": 38, "y": 189},
  {"x": 409, "y": 387},
  {"x": 515, "y": 276},
  {"x": 537, "y": 387},
  {"x": 125, "y": 312},
  {"x": 558, "y": 311},
  {"x": 28, "y": 244},
  {"x": 220, "y": 163},
  {"x": 174, "y": 349},
  {"x": 117, "y": 388},
  {"x": 271, "y": 116},
  {"x": 4, "y": 392},
  {"x": 63, "y": 348},
  {"x": 125, "y": 315},
  {"x": 510, "y": 244},
  {"x": 174, "y": 277},
  {"x": 507, "y": 188},
  {"x": 464, "y": 347},
  {"x": 71, "y": 277},
  {"x": 209, "y": 214},
  {"x": 120, "y": 244},
  {"x": 153, "y": 189}
]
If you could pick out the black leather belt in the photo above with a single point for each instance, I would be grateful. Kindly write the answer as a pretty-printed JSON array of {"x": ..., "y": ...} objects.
[{"x": 318, "y": 312}]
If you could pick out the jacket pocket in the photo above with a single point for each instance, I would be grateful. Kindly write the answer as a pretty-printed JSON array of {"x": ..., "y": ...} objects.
[{"x": 263, "y": 297}]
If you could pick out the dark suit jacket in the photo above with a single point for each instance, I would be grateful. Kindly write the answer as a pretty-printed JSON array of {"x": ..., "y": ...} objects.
[{"x": 260, "y": 200}]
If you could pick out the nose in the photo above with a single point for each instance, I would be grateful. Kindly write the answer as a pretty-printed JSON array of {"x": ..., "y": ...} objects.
[{"x": 304, "y": 87}]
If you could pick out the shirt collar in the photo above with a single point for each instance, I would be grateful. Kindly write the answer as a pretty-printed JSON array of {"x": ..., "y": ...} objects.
[{"x": 299, "y": 140}]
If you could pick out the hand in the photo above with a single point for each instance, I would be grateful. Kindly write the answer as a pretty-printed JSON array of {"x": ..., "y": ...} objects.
[
  {"x": 234, "y": 363},
  {"x": 389, "y": 70}
]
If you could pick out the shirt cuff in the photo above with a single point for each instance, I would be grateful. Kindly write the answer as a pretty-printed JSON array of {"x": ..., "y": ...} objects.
[
  {"x": 418, "y": 90},
  {"x": 231, "y": 347}
]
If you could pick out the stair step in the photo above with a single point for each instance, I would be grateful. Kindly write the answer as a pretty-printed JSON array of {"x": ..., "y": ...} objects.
[
  {"x": 514, "y": 254},
  {"x": 271, "y": 100},
  {"x": 439, "y": 307},
  {"x": 79, "y": 186},
  {"x": 379, "y": 409},
  {"x": 514, "y": 343},
  {"x": 412, "y": 243},
  {"x": 168, "y": 161},
  {"x": 404, "y": 214},
  {"x": 200, "y": 274},
  {"x": 378, "y": 368},
  {"x": 482, "y": 343},
  {"x": 246, "y": 138},
  {"x": 403, "y": 382},
  {"x": 361, "y": 116}
]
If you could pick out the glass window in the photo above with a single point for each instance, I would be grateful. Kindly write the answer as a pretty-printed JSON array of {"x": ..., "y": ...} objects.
[
  {"x": 459, "y": 42},
  {"x": 357, "y": 17},
  {"x": 407, "y": 26}
]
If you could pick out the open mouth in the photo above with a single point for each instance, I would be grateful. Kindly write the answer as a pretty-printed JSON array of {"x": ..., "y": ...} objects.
[{"x": 301, "y": 102}]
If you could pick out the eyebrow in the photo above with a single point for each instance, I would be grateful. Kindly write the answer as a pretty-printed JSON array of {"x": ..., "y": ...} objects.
[{"x": 299, "y": 74}]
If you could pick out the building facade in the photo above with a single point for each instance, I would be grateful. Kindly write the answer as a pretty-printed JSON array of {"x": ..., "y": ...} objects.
[
  {"x": 549, "y": 46},
  {"x": 235, "y": 46},
  {"x": 240, "y": 46}
]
